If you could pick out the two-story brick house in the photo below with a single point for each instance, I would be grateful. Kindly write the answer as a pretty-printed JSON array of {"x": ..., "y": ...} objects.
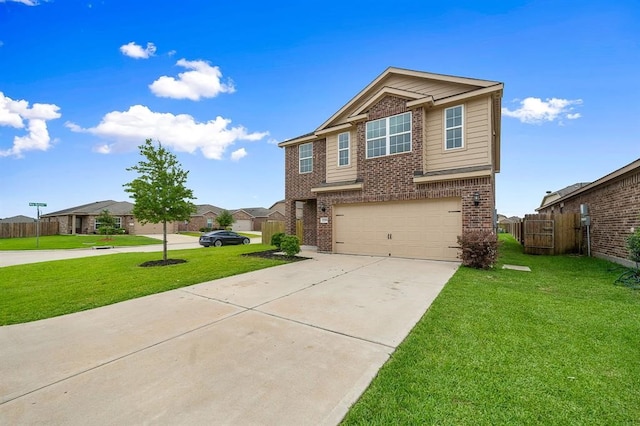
[{"x": 401, "y": 170}]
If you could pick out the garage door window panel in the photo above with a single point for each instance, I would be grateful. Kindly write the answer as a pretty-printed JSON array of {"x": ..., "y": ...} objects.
[{"x": 391, "y": 135}]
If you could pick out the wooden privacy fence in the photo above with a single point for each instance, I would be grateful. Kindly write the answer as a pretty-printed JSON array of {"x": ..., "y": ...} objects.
[
  {"x": 554, "y": 233},
  {"x": 274, "y": 226},
  {"x": 28, "y": 229},
  {"x": 270, "y": 228},
  {"x": 513, "y": 227}
]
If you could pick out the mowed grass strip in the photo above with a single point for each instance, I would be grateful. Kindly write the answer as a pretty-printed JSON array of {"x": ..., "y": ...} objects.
[
  {"x": 558, "y": 345},
  {"x": 56, "y": 242},
  {"x": 44, "y": 290}
]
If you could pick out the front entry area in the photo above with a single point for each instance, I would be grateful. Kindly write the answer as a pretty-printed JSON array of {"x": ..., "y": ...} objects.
[{"x": 422, "y": 229}]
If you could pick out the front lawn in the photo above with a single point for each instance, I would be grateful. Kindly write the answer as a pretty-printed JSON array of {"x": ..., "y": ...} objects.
[
  {"x": 43, "y": 290},
  {"x": 55, "y": 242},
  {"x": 558, "y": 345}
]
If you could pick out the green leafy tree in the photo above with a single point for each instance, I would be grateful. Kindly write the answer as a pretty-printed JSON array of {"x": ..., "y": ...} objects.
[
  {"x": 224, "y": 219},
  {"x": 106, "y": 224},
  {"x": 159, "y": 191}
]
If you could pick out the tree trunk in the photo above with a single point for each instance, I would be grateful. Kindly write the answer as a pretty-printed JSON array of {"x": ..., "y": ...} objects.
[{"x": 164, "y": 241}]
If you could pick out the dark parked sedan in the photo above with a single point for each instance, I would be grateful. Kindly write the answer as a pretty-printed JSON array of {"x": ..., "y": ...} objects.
[{"x": 222, "y": 238}]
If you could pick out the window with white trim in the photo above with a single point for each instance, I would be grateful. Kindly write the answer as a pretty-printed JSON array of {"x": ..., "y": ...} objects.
[
  {"x": 343, "y": 149},
  {"x": 117, "y": 223},
  {"x": 453, "y": 127},
  {"x": 391, "y": 135},
  {"x": 305, "y": 152}
]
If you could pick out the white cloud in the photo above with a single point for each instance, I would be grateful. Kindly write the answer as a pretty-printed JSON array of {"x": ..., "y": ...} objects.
[
  {"x": 238, "y": 154},
  {"x": 129, "y": 129},
  {"x": 27, "y": 2},
  {"x": 535, "y": 110},
  {"x": 14, "y": 113},
  {"x": 203, "y": 81},
  {"x": 171, "y": 53},
  {"x": 136, "y": 51}
]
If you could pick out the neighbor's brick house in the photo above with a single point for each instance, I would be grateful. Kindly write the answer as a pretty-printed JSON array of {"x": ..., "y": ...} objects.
[
  {"x": 613, "y": 202},
  {"x": 401, "y": 170}
]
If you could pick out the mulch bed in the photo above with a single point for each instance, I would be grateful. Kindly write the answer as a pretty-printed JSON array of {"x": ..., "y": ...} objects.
[
  {"x": 162, "y": 262},
  {"x": 277, "y": 255}
]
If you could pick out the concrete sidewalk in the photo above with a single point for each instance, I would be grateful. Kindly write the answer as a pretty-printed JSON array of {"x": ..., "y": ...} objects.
[
  {"x": 290, "y": 345},
  {"x": 174, "y": 242}
]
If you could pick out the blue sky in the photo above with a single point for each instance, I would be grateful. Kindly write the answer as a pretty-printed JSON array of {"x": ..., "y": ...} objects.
[{"x": 84, "y": 83}]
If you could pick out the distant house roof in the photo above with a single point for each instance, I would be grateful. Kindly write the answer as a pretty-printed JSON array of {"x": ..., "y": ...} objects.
[
  {"x": 202, "y": 209},
  {"x": 555, "y": 195},
  {"x": 255, "y": 211},
  {"x": 17, "y": 219},
  {"x": 95, "y": 208},
  {"x": 632, "y": 167}
]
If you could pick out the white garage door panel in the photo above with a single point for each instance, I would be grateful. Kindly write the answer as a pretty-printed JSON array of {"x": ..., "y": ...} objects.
[
  {"x": 425, "y": 229},
  {"x": 241, "y": 225}
]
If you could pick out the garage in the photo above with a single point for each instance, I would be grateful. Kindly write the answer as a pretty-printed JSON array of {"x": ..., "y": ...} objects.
[
  {"x": 241, "y": 225},
  {"x": 423, "y": 229},
  {"x": 150, "y": 228}
]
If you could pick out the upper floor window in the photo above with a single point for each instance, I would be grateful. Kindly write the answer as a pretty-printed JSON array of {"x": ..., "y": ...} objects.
[
  {"x": 305, "y": 152},
  {"x": 343, "y": 149},
  {"x": 453, "y": 127},
  {"x": 391, "y": 135}
]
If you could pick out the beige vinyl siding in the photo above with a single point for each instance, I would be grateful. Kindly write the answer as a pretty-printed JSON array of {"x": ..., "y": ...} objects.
[
  {"x": 476, "y": 150},
  {"x": 337, "y": 173},
  {"x": 437, "y": 89}
]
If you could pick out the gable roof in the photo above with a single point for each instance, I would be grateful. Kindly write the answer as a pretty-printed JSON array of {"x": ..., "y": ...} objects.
[
  {"x": 417, "y": 94},
  {"x": 554, "y": 195},
  {"x": 117, "y": 208},
  {"x": 202, "y": 209},
  {"x": 17, "y": 219},
  {"x": 629, "y": 169},
  {"x": 256, "y": 211}
]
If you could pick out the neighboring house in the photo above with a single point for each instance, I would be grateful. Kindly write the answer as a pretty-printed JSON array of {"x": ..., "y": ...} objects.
[
  {"x": 402, "y": 169},
  {"x": 18, "y": 219},
  {"x": 613, "y": 203},
  {"x": 552, "y": 196},
  {"x": 252, "y": 218},
  {"x": 204, "y": 217},
  {"x": 279, "y": 206},
  {"x": 82, "y": 219}
]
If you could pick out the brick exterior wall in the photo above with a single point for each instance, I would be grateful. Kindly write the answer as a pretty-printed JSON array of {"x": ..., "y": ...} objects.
[
  {"x": 387, "y": 178},
  {"x": 298, "y": 187},
  {"x": 195, "y": 223},
  {"x": 614, "y": 208}
]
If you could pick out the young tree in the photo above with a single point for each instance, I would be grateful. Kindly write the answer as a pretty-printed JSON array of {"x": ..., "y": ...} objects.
[
  {"x": 224, "y": 219},
  {"x": 159, "y": 191},
  {"x": 106, "y": 223}
]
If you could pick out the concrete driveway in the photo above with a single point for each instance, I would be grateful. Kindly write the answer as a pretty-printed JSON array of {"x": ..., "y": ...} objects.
[{"x": 290, "y": 345}]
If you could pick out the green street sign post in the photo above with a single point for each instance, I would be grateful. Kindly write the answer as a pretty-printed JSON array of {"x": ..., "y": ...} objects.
[{"x": 38, "y": 205}]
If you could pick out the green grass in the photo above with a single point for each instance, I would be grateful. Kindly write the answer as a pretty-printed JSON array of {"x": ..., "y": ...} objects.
[
  {"x": 43, "y": 290},
  {"x": 556, "y": 346},
  {"x": 54, "y": 242}
]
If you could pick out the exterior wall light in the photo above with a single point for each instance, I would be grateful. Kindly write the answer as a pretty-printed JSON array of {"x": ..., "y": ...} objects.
[{"x": 476, "y": 199}]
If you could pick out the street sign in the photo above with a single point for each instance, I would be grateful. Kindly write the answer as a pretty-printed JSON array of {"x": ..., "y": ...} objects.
[{"x": 38, "y": 204}]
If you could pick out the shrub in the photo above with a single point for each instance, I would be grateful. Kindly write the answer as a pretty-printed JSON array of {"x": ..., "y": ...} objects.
[
  {"x": 290, "y": 245},
  {"x": 633, "y": 244},
  {"x": 276, "y": 239},
  {"x": 479, "y": 248}
]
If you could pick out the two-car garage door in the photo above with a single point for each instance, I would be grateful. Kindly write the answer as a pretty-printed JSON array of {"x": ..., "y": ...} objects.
[{"x": 424, "y": 229}]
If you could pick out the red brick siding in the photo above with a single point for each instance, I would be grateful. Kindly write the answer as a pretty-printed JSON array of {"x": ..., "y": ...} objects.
[
  {"x": 298, "y": 187},
  {"x": 614, "y": 208}
]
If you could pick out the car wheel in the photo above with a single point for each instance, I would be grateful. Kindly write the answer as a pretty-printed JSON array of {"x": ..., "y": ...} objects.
[
  {"x": 217, "y": 243},
  {"x": 246, "y": 241}
]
